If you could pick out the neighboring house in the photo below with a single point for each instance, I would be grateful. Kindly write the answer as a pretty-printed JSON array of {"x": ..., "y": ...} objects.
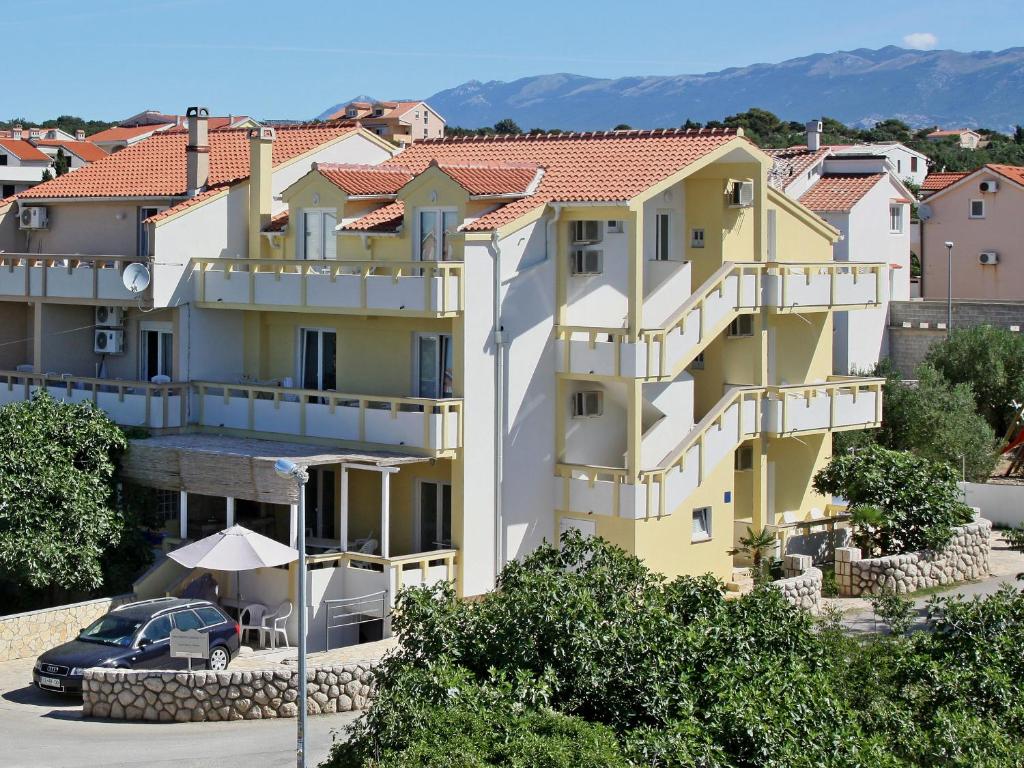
[
  {"x": 908, "y": 164},
  {"x": 143, "y": 125},
  {"x": 965, "y": 137},
  {"x": 33, "y": 134},
  {"x": 117, "y": 138},
  {"x": 80, "y": 153},
  {"x": 21, "y": 166},
  {"x": 939, "y": 180},
  {"x": 859, "y": 192},
  {"x": 399, "y": 121},
  {"x": 474, "y": 344}
]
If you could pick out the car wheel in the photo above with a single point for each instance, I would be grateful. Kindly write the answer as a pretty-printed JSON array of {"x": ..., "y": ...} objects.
[{"x": 219, "y": 659}]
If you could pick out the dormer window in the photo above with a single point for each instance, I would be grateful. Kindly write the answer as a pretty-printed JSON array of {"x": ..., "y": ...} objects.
[
  {"x": 378, "y": 111},
  {"x": 352, "y": 112},
  {"x": 318, "y": 239},
  {"x": 436, "y": 227}
]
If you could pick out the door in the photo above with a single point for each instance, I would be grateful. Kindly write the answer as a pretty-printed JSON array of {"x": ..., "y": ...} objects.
[
  {"x": 434, "y": 518},
  {"x": 154, "y": 645},
  {"x": 319, "y": 359},
  {"x": 433, "y": 365},
  {"x": 156, "y": 352},
  {"x": 144, "y": 213},
  {"x": 436, "y": 227},
  {"x": 320, "y": 502}
]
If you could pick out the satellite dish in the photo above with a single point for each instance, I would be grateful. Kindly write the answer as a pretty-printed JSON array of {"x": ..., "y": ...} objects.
[
  {"x": 924, "y": 212},
  {"x": 136, "y": 277}
]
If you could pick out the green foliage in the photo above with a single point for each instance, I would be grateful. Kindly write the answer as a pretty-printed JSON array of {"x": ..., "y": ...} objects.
[
  {"x": 919, "y": 498},
  {"x": 623, "y": 127},
  {"x": 1015, "y": 538},
  {"x": 894, "y": 610},
  {"x": 507, "y": 126},
  {"x": 56, "y": 491},
  {"x": 62, "y": 162},
  {"x": 867, "y": 522},
  {"x": 991, "y": 361},
  {"x": 68, "y": 123}
]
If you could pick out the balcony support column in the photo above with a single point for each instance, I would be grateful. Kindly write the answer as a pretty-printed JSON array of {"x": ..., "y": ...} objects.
[
  {"x": 635, "y": 258},
  {"x": 343, "y": 517},
  {"x": 759, "y": 479},
  {"x": 229, "y": 511},
  {"x": 183, "y": 514}
]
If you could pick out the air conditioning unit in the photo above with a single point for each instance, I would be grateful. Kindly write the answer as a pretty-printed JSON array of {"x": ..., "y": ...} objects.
[
  {"x": 108, "y": 342},
  {"x": 33, "y": 217},
  {"x": 587, "y": 404},
  {"x": 988, "y": 258},
  {"x": 742, "y": 194},
  {"x": 585, "y": 261},
  {"x": 989, "y": 185},
  {"x": 109, "y": 317},
  {"x": 586, "y": 231}
]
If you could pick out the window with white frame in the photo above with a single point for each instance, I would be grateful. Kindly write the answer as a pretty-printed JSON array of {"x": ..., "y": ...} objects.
[
  {"x": 698, "y": 362},
  {"x": 662, "y": 235},
  {"x": 435, "y": 229},
  {"x": 701, "y": 524},
  {"x": 585, "y": 231},
  {"x": 697, "y": 238},
  {"x": 977, "y": 209},
  {"x": 318, "y": 358},
  {"x": 588, "y": 404},
  {"x": 156, "y": 351},
  {"x": 167, "y": 504},
  {"x": 145, "y": 212},
  {"x": 318, "y": 240},
  {"x": 614, "y": 226},
  {"x": 434, "y": 364},
  {"x": 896, "y": 218},
  {"x": 434, "y": 521},
  {"x": 742, "y": 326}
]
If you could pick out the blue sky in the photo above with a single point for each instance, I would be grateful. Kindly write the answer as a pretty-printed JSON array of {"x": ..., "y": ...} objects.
[{"x": 110, "y": 58}]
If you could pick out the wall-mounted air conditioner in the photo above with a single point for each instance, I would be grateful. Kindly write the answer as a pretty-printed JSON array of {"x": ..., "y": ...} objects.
[
  {"x": 108, "y": 342},
  {"x": 989, "y": 185},
  {"x": 109, "y": 317},
  {"x": 585, "y": 261},
  {"x": 33, "y": 217},
  {"x": 742, "y": 194},
  {"x": 988, "y": 258}
]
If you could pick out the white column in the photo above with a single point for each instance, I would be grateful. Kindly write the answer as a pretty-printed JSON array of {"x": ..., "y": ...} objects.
[
  {"x": 385, "y": 514},
  {"x": 343, "y": 520},
  {"x": 229, "y": 517},
  {"x": 183, "y": 514},
  {"x": 293, "y": 528}
]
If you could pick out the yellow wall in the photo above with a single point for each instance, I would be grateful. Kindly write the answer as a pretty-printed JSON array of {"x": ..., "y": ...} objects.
[
  {"x": 301, "y": 195},
  {"x": 803, "y": 347},
  {"x": 795, "y": 462},
  {"x": 800, "y": 234}
]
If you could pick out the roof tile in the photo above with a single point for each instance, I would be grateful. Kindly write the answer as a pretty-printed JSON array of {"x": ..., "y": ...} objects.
[
  {"x": 933, "y": 182},
  {"x": 23, "y": 150},
  {"x": 387, "y": 218},
  {"x": 365, "y": 180},
  {"x": 839, "y": 192}
]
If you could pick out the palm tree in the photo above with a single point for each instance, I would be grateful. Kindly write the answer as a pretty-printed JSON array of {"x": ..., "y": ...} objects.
[{"x": 756, "y": 544}]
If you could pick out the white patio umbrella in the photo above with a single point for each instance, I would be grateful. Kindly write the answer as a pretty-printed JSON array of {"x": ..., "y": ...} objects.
[{"x": 234, "y": 549}]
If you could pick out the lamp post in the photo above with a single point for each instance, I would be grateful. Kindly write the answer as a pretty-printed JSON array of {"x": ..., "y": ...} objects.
[
  {"x": 289, "y": 469},
  {"x": 949, "y": 288}
]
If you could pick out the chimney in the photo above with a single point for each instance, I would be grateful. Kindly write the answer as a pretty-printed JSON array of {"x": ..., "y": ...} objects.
[
  {"x": 197, "y": 152},
  {"x": 79, "y": 135},
  {"x": 814, "y": 129},
  {"x": 261, "y": 147},
  {"x": 35, "y": 133}
]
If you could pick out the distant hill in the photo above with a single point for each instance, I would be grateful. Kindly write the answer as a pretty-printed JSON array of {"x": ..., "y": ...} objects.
[{"x": 861, "y": 87}]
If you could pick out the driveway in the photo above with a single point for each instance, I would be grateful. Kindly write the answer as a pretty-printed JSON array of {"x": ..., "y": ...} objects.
[{"x": 42, "y": 730}]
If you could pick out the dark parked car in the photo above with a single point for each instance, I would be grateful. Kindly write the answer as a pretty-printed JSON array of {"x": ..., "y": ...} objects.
[{"x": 137, "y": 636}]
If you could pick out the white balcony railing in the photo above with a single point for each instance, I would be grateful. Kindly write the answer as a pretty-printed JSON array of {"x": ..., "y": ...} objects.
[
  {"x": 129, "y": 403},
  {"x": 843, "y": 402},
  {"x": 795, "y": 286},
  {"x": 414, "y": 288},
  {"x": 429, "y": 424},
  {"x": 88, "y": 278}
]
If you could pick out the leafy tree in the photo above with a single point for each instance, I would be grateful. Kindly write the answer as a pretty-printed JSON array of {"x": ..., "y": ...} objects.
[
  {"x": 890, "y": 130},
  {"x": 1018, "y": 134},
  {"x": 692, "y": 125},
  {"x": 919, "y": 498},
  {"x": 47, "y": 175},
  {"x": 623, "y": 127},
  {"x": 57, "y": 516},
  {"x": 991, "y": 361},
  {"x": 62, "y": 162},
  {"x": 508, "y": 126}
]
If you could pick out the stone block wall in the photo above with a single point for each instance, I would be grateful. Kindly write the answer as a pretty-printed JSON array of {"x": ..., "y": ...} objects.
[
  {"x": 966, "y": 557},
  {"x": 217, "y": 696},
  {"x": 802, "y": 585},
  {"x": 29, "y": 634}
]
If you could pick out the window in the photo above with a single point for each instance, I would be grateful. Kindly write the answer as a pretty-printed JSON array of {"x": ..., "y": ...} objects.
[
  {"x": 186, "y": 620},
  {"x": 741, "y": 194},
  {"x": 156, "y": 351},
  {"x": 977, "y": 209},
  {"x": 896, "y": 218},
  {"x": 158, "y": 629},
  {"x": 697, "y": 238},
  {"x": 586, "y": 261},
  {"x": 698, "y": 362},
  {"x": 436, "y": 227},
  {"x": 587, "y": 405},
  {"x": 210, "y": 616},
  {"x": 3, "y": 159},
  {"x": 913, "y": 165},
  {"x": 8, "y": 189},
  {"x": 585, "y": 231},
  {"x": 434, "y": 521},
  {"x": 319, "y": 359},
  {"x": 426, "y": 118},
  {"x": 352, "y": 112},
  {"x": 614, "y": 226},
  {"x": 434, "y": 365},
  {"x": 662, "y": 235},
  {"x": 701, "y": 524},
  {"x": 144, "y": 213},
  {"x": 167, "y": 504},
  {"x": 744, "y": 458},
  {"x": 319, "y": 241},
  {"x": 899, "y": 165},
  {"x": 742, "y": 326}
]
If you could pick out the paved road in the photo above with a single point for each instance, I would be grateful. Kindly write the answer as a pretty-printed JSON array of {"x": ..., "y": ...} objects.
[{"x": 42, "y": 730}]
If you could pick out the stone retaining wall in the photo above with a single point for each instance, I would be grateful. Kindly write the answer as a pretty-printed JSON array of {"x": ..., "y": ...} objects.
[
  {"x": 802, "y": 585},
  {"x": 213, "y": 696},
  {"x": 966, "y": 557},
  {"x": 29, "y": 634}
]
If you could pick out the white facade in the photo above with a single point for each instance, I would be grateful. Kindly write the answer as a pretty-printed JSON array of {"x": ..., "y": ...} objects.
[{"x": 908, "y": 164}]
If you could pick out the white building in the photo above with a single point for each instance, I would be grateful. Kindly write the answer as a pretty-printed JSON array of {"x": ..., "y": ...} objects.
[
  {"x": 908, "y": 164},
  {"x": 21, "y": 166}
]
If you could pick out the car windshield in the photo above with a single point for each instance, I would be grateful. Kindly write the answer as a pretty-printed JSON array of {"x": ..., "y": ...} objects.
[{"x": 111, "y": 630}]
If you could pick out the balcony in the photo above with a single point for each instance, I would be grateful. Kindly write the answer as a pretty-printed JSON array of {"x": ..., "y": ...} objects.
[
  {"x": 404, "y": 288},
  {"x": 413, "y": 422},
  {"x": 841, "y": 403},
  {"x": 799, "y": 287},
  {"x": 129, "y": 403},
  {"x": 70, "y": 278}
]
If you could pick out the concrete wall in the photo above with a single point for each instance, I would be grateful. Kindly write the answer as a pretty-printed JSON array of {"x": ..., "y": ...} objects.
[
  {"x": 28, "y": 634},
  {"x": 1002, "y": 504}
]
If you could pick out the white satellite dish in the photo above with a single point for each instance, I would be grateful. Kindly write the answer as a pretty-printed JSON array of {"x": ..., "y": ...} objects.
[
  {"x": 924, "y": 211},
  {"x": 136, "y": 277}
]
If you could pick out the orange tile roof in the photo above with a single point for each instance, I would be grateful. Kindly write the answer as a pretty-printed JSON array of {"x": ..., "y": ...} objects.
[
  {"x": 23, "y": 150},
  {"x": 492, "y": 178},
  {"x": 839, "y": 192},
  {"x": 791, "y": 163},
  {"x": 277, "y": 222},
  {"x": 84, "y": 149},
  {"x": 201, "y": 197},
  {"x": 1012, "y": 172},
  {"x": 933, "y": 182},
  {"x": 365, "y": 180},
  {"x": 117, "y": 133},
  {"x": 952, "y": 132},
  {"x": 156, "y": 167},
  {"x": 392, "y": 109},
  {"x": 388, "y": 218}
]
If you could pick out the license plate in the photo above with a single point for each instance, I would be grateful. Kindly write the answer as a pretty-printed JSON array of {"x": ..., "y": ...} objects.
[{"x": 50, "y": 682}]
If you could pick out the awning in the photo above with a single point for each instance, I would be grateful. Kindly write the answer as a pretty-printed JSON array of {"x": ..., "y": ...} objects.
[{"x": 218, "y": 465}]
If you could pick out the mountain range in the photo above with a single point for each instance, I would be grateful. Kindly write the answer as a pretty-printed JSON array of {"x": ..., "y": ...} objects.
[{"x": 860, "y": 87}]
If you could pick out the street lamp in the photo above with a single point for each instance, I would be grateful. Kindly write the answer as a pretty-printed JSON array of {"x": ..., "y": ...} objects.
[
  {"x": 289, "y": 469},
  {"x": 949, "y": 288}
]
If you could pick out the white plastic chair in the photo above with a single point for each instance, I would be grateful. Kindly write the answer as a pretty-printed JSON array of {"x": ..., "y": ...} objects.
[
  {"x": 276, "y": 623},
  {"x": 250, "y": 619},
  {"x": 369, "y": 547},
  {"x": 160, "y": 378}
]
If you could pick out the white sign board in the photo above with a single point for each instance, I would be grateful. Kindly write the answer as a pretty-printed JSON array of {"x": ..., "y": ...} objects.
[{"x": 189, "y": 644}]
